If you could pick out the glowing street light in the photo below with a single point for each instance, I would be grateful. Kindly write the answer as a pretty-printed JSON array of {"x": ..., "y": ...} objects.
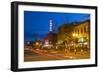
[
  {"x": 37, "y": 43},
  {"x": 75, "y": 35}
]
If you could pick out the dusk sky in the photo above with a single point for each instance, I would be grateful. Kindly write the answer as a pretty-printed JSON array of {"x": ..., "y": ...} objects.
[{"x": 36, "y": 24}]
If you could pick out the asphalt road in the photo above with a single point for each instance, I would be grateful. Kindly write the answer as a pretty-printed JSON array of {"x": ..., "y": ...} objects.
[{"x": 41, "y": 55}]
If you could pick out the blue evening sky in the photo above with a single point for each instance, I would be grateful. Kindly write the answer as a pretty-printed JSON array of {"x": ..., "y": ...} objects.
[{"x": 36, "y": 24}]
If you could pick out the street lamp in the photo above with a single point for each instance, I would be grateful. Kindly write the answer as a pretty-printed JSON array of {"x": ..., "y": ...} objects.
[
  {"x": 37, "y": 43},
  {"x": 75, "y": 35}
]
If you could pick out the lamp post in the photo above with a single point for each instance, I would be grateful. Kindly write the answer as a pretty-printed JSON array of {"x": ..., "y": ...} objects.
[{"x": 75, "y": 36}]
